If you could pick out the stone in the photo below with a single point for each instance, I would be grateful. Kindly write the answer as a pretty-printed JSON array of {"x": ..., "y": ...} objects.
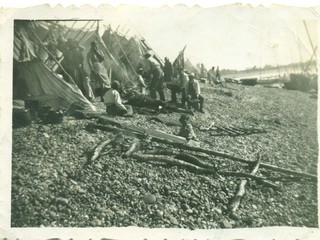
[
  {"x": 173, "y": 220},
  {"x": 149, "y": 198},
  {"x": 96, "y": 222},
  {"x": 217, "y": 210},
  {"x": 226, "y": 224},
  {"x": 234, "y": 216},
  {"x": 189, "y": 211}
]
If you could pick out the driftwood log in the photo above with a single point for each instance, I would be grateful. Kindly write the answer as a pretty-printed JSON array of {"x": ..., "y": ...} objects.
[
  {"x": 242, "y": 189},
  {"x": 135, "y": 146},
  {"x": 98, "y": 151}
]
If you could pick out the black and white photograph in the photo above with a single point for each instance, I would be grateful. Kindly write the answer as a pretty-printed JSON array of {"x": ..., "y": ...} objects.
[{"x": 189, "y": 119}]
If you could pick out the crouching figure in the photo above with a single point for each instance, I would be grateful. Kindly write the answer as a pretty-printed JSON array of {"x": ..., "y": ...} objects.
[
  {"x": 186, "y": 129},
  {"x": 113, "y": 102}
]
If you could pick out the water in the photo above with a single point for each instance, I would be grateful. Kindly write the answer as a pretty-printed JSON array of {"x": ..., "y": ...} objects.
[{"x": 268, "y": 74}]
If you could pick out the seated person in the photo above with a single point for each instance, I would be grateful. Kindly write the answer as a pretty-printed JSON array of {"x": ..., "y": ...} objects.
[
  {"x": 113, "y": 101},
  {"x": 192, "y": 91},
  {"x": 186, "y": 129}
]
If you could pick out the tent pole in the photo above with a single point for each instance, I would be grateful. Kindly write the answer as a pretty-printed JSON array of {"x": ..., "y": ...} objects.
[
  {"x": 104, "y": 46},
  {"x": 81, "y": 30},
  {"x": 70, "y": 28},
  {"x": 126, "y": 56},
  {"x": 155, "y": 54},
  {"x": 85, "y": 34}
]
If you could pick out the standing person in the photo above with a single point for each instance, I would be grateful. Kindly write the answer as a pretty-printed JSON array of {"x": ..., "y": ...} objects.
[
  {"x": 81, "y": 75},
  {"x": 218, "y": 77},
  {"x": 167, "y": 70},
  {"x": 141, "y": 83},
  {"x": 98, "y": 72},
  {"x": 67, "y": 63},
  {"x": 113, "y": 101},
  {"x": 156, "y": 78},
  {"x": 213, "y": 76},
  {"x": 193, "y": 93},
  {"x": 177, "y": 85},
  {"x": 183, "y": 80}
]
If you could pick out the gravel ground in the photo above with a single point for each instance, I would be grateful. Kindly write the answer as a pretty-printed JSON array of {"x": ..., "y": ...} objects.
[{"x": 50, "y": 187}]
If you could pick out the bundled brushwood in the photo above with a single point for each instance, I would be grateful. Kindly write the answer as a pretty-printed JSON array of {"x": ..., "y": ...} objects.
[
  {"x": 237, "y": 159},
  {"x": 187, "y": 157},
  {"x": 195, "y": 169},
  {"x": 207, "y": 151},
  {"x": 242, "y": 189},
  {"x": 171, "y": 161}
]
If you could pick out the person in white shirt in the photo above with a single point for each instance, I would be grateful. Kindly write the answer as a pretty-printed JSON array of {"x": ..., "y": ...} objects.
[{"x": 113, "y": 101}]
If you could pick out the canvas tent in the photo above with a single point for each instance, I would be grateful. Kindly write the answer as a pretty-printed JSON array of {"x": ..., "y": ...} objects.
[
  {"x": 37, "y": 58},
  {"x": 32, "y": 78},
  {"x": 190, "y": 68},
  {"x": 129, "y": 51}
]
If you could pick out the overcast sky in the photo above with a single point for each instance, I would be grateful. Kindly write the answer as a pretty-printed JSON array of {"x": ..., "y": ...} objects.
[{"x": 232, "y": 37}]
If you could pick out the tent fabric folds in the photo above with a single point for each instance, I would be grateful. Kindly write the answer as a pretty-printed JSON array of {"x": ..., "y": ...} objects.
[
  {"x": 32, "y": 78},
  {"x": 37, "y": 80}
]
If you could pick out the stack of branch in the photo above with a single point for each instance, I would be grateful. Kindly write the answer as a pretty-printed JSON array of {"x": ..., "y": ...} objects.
[
  {"x": 191, "y": 158},
  {"x": 181, "y": 143}
]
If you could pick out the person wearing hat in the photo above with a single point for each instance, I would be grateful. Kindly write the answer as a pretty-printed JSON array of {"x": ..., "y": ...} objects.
[
  {"x": 156, "y": 78},
  {"x": 186, "y": 129},
  {"x": 113, "y": 102},
  {"x": 192, "y": 92},
  {"x": 98, "y": 72}
]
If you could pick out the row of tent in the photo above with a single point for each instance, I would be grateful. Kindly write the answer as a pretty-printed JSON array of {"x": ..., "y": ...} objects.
[{"x": 34, "y": 78}]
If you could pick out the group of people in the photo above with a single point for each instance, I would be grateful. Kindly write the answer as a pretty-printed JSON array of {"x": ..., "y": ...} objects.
[
  {"x": 71, "y": 66},
  {"x": 214, "y": 76},
  {"x": 155, "y": 80},
  {"x": 180, "y": 83}
]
